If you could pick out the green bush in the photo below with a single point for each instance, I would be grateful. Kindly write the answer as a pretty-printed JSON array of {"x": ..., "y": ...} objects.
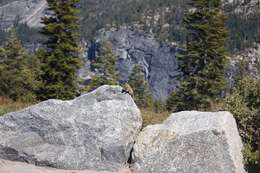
[
  {"x": 250, "y": 155},
  {"x": 244, "y": 104}
]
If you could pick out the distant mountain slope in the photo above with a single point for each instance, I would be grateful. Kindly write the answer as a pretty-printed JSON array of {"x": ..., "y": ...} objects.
[
  {"x": 162, "y": 17},
  {"x": 25, "y": 11},
  {"x": 244, "y": 7}
]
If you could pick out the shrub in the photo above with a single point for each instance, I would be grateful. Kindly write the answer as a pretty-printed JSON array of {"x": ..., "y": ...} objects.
[{"x": 244, "y": 104}]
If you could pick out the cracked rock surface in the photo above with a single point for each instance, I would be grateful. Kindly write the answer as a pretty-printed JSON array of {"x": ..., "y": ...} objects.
[
  {"x": 158, "y": 60},
  {"x": 190, "y": 142},
  {"x": 94, "y": 131}
]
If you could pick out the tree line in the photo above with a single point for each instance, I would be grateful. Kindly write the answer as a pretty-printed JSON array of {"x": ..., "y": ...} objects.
[
  {"x": 243, "y": 28},
  {"x": 51, "y": 72}
]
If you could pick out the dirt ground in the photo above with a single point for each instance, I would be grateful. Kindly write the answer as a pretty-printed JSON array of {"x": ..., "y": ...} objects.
[{"x": 19, "y": 167}]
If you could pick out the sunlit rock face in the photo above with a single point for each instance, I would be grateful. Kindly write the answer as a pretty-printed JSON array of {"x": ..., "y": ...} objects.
[
  {"x": 158, "y": 60},
  {"x": 190, "y": 142},
  {"x": 245, "y": 7},
  {"x": 22, "y": 11},
  {"x": 249, "y": 60},
  {"x": 95, "y": 131}
]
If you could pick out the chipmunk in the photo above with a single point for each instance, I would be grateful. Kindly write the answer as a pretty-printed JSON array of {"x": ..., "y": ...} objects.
[{"x": 128, "y": 89}]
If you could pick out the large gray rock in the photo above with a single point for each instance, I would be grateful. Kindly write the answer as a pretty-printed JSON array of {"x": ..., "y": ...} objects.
[
  {"x": 190, "y": 142},
  {"x": 95, "y": 131}
]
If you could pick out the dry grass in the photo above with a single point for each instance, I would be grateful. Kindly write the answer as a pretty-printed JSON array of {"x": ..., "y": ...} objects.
[
  {"x": 151, "y": 117},
  {"x": 7, "y": 105}
]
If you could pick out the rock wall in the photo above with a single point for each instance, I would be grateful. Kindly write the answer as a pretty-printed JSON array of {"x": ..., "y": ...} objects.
[
  {"x": 158, "y": 60},
  {"x": 244, "y": 7},
  {"x": 251, "y": 57},
  {"x": 22, "y": 11},
  {"x": 31, "y": 11}
]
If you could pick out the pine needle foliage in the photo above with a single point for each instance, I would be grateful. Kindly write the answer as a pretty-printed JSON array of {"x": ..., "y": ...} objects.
[
  {"x": 18, "y": 71},
  {"x": 105, "y": 63},
  {"x": 142, "y": 93},
  {"x": 61, "y": 60},
  {"x": 105, "y": 67},
  {"x": 204, "y": 60}
]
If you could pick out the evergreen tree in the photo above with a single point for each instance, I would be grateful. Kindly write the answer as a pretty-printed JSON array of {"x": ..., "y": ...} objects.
[
  {"x": 18, "y": 71},
  {"x": 104, "y": 66},
  {"x": 61, "y": 60},
  {"x": 140, "y": 86},
  {"x": 105, "y": 63},
  {"x": 204, "y": 60}
]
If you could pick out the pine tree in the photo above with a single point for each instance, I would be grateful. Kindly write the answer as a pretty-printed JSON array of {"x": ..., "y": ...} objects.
[
  {"x": 61, "y": 60},
  {"x": 105, "y": 63},
  {"x": 18, "y": 71},
  {"x": 104, "y": 66},
  {"x": 204, "y": 60},
  {"x": 140, "y": 86}
]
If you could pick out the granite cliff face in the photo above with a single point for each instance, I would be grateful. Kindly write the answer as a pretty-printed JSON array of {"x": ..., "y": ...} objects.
[
  {"x": 31, "y": 11},
  {"x": 157, "y": 59},
  {"x": 244, "y": 7},
  {"x": 249, "y": 60},
  {"x": 22, "y": 11}
]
